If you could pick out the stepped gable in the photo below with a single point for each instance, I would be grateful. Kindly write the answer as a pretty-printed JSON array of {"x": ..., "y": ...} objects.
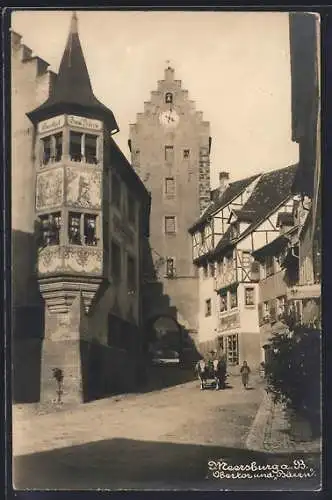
[
  {"x": 72, "y": 92},
  {"x": 232, "y": 191},
  {"x": 273, "y": 189}
]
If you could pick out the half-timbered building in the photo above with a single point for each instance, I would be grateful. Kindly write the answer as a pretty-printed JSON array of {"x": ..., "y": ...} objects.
[{"x": 229, "y": 276}]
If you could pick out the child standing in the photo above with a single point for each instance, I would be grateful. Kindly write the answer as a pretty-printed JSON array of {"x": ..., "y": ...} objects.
[{"x": 245, "y": 370}]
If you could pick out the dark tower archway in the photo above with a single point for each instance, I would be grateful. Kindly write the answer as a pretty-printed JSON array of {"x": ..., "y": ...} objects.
[{"x": 164, "y": 338}]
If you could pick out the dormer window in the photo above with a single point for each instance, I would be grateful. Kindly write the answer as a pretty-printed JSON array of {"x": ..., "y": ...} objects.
[{"x": 169, "y": 98}]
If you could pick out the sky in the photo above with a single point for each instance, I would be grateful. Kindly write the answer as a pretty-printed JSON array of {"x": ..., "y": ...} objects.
[{"x": 235, "y": 65}]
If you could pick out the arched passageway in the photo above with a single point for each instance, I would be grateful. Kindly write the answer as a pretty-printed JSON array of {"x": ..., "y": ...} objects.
[{"x": 164, "y": 341}]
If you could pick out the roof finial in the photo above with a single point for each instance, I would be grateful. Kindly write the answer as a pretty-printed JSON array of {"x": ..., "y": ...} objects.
[
  {"x": 168, "y": 62},
  {"x": 74, "y": 23}
]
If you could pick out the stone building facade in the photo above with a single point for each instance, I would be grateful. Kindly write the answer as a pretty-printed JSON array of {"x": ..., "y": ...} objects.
[
  {"x": 89, "y": 220},
  {"x": 170, "y": 146}
]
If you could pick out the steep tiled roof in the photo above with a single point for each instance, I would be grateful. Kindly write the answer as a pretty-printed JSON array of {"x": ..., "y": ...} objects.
[
  {"x": 232, "y": 191},
  {"x": 270, "y": 192},
  {"x": 72, "y": 91},
  {"x": 285, "y": 219},
  {"x": 276, "y": 245}
]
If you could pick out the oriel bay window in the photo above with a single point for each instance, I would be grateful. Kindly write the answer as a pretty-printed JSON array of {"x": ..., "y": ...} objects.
[
  {"x": 50, "y": 229},
  {"x": 90, "y": 236},
  {"x": 83, "y": 147},
  {"x": 51, "y": 149},
  {"x": 82, "y": 229}
]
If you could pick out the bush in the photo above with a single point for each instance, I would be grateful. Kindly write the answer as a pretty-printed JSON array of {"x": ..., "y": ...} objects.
[{"x": 293, "y": 372}]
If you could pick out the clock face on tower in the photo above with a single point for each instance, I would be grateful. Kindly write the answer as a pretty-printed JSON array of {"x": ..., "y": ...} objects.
[{"x": 169, "y": 118}]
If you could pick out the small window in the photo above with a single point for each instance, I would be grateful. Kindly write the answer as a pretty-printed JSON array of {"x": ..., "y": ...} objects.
[
  {"x": 46, "y": 150},
  {"x": 169, "y": 98},
  {"x": 266, "y": 310},
  {"x": 186, "y": 154},
  {"x": 91, "y": 149},
  {"x": 116, "y": 262},
  {"x": 116, "y": 191},
  {"x": 233, "y": 299},
  {"x": 170, "y": 267},
  {"x": 75, "y": 146},
  {"x": 170, "y": 186},
  {"x": 131, "y": 209},
  {"x": 131, "y": 274},
  {"x": 233, "y": 349},
  {"x": 58, "y": 146},
  {"x": 50, "y": 229},
  {"x": 170, "y": 225},
  {"x": 223, "y": 301},
  {"x": 169, "y": 154},
  {"x": 249, "y": 296},
  {"x": 208, "y": 307},
  {"x": 90, "y": 236},
  {"x": 281, "y": 306},
  {"x": 74, "y": 228}
]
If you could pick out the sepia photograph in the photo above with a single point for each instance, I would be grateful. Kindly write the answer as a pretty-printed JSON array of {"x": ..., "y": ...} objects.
[{"x": 166, "y": 250}]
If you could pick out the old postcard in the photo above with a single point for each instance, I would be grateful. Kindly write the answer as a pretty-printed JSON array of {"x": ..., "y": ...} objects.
[{"x": 166, "y": 228}]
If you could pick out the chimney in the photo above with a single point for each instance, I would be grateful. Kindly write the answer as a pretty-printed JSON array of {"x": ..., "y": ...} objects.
[{"x": 223, "y": 181}]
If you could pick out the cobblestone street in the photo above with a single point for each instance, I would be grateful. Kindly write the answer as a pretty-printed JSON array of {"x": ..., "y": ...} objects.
[{"x": 160, "y": 439}]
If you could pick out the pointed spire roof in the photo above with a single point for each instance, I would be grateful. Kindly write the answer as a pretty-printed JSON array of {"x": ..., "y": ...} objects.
[{"x": 72, "y": 92}]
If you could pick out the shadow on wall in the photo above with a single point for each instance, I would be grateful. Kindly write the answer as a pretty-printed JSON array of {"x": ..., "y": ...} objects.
[
  {"x": 132, "y": 464},
  {"x": 27, "y": 319}
]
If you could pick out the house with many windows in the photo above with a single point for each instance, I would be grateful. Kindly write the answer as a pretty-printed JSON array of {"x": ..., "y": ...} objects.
[{"x": 242, "y": 219}]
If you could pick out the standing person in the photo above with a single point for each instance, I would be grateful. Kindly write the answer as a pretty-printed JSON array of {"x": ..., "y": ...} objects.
[{"x": 245, "y": 370}]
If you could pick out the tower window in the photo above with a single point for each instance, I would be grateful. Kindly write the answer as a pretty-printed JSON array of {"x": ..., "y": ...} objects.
[
  {"x": 83, "y": 147},
  {"x": 90, "y": 229},
  {"x": 170, "y": 186},
  {"x": 91, "y": 149},
  {"x": 186, "y": 154},
  {"x": 75, "y": 146},
  {"x": 169, "y": 98},
  {"x": 170, "y": 267},
  {"x": 58, "y": 147},
  {"x": 170, "y": 225},
  {"x": 46, "y": 150},
  {"x": 50, "y": 229},
  {"x": 74, "y": 228},
  {"x": 169, "y": 154},
  {"x": 116, "y": 191}
]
